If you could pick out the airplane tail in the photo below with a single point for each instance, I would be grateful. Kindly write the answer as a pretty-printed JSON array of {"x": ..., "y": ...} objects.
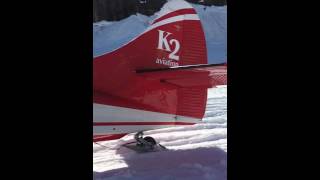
[
  {"x": 161, "y": 70},
  {"x": 175, "y": 38}
]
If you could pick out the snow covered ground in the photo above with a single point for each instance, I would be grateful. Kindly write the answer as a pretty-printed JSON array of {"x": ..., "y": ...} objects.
[
  {"x": 108, "y": 36},
  {"x": 195, "y": 152}
]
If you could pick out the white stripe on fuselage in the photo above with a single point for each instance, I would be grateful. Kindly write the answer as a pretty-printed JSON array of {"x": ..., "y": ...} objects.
[
  {"x": 114, "y": 114},
  {"x": 107, "y": 113}
]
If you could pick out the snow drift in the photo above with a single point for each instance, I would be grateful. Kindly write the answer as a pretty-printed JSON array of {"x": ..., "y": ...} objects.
[{"x": 191, "y": 164}]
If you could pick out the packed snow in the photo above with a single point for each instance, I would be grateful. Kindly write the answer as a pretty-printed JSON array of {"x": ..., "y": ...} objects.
[
  {"x": 108, "y": 36},
  {"x": 195, "y": 152}
]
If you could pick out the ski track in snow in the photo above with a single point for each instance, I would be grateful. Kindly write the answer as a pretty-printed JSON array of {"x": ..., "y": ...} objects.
[{"x": 195, "y": 152}]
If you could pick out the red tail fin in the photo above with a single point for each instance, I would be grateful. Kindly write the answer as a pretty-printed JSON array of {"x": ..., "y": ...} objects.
[{"x": 175, "y": 38}]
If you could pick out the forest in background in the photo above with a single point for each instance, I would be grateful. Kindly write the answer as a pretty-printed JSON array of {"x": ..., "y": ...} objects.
[{"x": 114, "y": 10}]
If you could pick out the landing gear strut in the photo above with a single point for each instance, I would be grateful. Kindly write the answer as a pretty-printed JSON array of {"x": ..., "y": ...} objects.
[{"x": 144, "y": 144}]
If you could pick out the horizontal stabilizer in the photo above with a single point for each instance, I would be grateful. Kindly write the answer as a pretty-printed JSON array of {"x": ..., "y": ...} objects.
[{"x": 207, "y": 75}]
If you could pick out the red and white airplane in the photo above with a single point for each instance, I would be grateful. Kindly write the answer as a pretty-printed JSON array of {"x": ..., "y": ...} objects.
[{"x": 157, "y": 80}]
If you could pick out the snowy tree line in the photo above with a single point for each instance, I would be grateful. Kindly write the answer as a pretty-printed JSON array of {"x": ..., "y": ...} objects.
[{"x": 113, "y": 10}]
